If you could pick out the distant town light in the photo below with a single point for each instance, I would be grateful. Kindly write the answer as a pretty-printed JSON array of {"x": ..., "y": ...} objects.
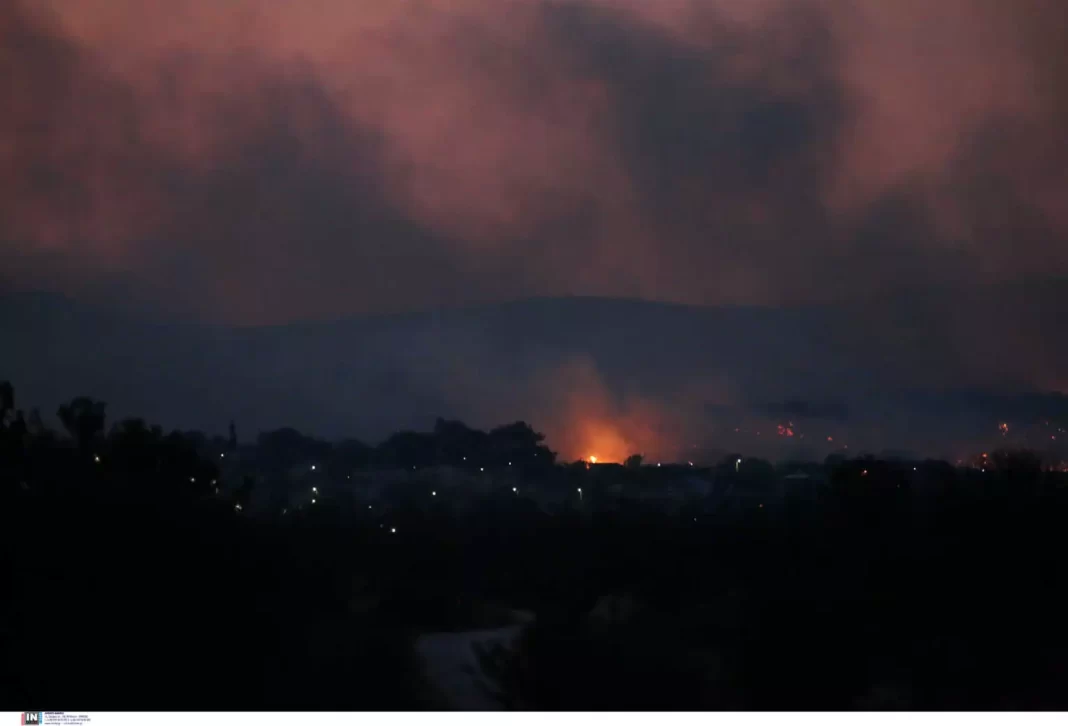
[
  {"x": 238, "y": 507},
  {"x": 96, "y": 459},
  {"x": 393, "y": 530},
  {"x": 509, "y": 463},
  {"x": 658, "y": 463},
  {"x": 222, "y": 456},
  {"x": 368, "y": 506},
  {"x": 193, "y": 479},
  {"x": 313, "y": 501},
  {"x": 315, "y": 489},
  {"x": 313, "y": 467},
  {"x": 481, "y": 468},
  {"x": 433, "y": 494},
  {"x": 515, "y": 490}
]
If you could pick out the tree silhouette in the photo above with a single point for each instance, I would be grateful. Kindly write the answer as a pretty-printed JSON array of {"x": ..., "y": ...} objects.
[
  {"x": 7, "y": 400},
  {"x": 135, "y": 446},
  {"x": 244, "y": 493},
  {"x": 83, "y": 418},
  {"x": 286, "y": 448},
  {"x": 458, "y": 445},
  {"x": 634, "y": 461},
  {"x": 36, "y": 423},
  {"x": 349, "y": 456},
  {"x": 516, "y": 444},
  {"x": 407, "y": 449}
]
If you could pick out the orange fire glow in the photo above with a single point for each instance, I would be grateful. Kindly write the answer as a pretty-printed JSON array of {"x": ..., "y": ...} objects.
[{"x": 600, "y": 436}]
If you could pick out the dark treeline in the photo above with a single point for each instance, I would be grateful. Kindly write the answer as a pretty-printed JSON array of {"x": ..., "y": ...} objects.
[{"x": 141, "y": 577}]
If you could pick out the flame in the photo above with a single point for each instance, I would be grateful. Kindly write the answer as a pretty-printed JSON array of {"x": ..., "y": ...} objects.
[{"x": 608, "y": 440}]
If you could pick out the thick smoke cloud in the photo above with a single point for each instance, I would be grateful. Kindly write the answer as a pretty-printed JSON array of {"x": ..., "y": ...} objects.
[
  {"x": 259, "y": 162},
  {"x": 251, "y": 162}
]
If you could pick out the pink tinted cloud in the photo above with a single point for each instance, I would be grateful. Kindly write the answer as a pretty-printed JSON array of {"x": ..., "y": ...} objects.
[{"x": 491, "y": 133}]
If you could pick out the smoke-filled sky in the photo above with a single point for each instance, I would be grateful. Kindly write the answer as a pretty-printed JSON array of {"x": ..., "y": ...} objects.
[
  {"x": 255, "y": 162},
  {"x": 251, "y": 162}
]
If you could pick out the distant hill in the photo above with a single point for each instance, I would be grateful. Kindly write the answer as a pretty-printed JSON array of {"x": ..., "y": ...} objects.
[{"x": 907, "y": 366}]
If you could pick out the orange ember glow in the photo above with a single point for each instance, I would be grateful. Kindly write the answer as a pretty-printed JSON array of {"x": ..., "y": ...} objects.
[{"x": 609, "y": 440}]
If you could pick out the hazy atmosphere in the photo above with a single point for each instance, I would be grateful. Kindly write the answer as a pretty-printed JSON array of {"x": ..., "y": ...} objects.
[
  {"x": 257, "y": 164},
  {"x": 533, "y": 355}
]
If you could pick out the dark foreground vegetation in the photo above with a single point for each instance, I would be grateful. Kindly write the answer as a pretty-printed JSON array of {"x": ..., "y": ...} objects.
[{"x": 138, "y": 582}]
